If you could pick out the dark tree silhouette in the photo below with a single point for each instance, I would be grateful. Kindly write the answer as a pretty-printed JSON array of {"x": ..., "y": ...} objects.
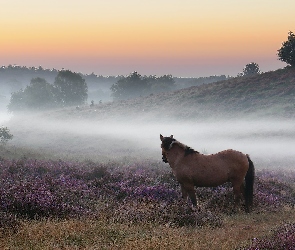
[
  {"x": 36, "y": 96},
  {"x": 136, "y": 85},
  {"x": 251, "y": 69},
  {"x": 287, "y": 52},
  {"x": 72, "y": 88},
  {"x": 128, "y": 87}
]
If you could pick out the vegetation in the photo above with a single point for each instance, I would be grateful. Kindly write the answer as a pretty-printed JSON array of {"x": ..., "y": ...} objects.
[
  {"x": 137, "y": 204},
  {"x": 136, "y": 85},
  {"x": 5, "y": 135},
  {"x": 69, "y": 89},
  {"x": 282, "y": 238},
  {"x": 72, "y": 88},
  {"x": 15, "y": 77},
  {"x": 39, "y": 95},
  {"x": 261, "y": 95},
  {"x": 287, "y": 52},
  {"x": 251, "y": 69}
]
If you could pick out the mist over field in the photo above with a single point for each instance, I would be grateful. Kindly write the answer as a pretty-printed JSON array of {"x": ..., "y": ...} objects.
[
  {"x": 269, "y": 142},
  {"x": 4, "y": 116}
]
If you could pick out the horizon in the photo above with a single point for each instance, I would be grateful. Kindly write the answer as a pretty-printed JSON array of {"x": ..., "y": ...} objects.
[{"x": 184, "y": 39}]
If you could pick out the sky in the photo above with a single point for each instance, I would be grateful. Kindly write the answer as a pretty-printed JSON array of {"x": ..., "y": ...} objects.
[{"x": 185, "y": 38}]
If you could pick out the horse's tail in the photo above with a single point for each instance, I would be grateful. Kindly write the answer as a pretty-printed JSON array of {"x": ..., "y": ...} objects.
[{"x": 249, "y": 181}]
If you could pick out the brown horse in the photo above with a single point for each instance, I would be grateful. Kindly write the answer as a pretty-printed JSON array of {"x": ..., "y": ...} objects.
[{"x": 194, "y": 169}]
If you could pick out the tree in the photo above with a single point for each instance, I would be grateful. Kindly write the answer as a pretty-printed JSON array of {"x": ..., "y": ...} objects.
[
  {"x": 36, "y": 96},
  {"x": 251, "y": 69},
  {"x": 136, "y": 85},
  {"x": 40, "y": 94},
  {"x": 17, "y": 101},
  {"x": 287, "y": 52},
  {"x": 72, "y": 88},
  {"x": 163, "y": 83},
  {"x": 128, "y": 87},
  {"x": 5, "y": 135}
]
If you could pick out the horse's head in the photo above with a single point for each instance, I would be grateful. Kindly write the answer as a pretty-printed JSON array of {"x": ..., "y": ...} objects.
[{"x": 166, "y": 143}]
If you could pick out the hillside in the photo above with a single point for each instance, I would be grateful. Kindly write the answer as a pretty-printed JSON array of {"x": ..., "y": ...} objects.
[{"x": 271, "y": 94}]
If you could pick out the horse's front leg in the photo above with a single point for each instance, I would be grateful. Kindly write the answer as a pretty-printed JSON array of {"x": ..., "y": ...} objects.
[
  {"x": 192, "y": 195},
  {"x": 183, "y": 192},
  {"x": 189, "y": 190}
]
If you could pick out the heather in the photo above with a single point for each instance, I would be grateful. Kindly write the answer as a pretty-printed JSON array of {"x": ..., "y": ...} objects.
[
  {"x": 281, "y": 238},
  {"x": 141, "y": 193}
]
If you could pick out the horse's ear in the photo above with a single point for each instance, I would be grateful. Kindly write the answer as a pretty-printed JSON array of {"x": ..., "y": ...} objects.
[
  {"x": 161, "y": 137},
  {"x": 171, "y": 136}
]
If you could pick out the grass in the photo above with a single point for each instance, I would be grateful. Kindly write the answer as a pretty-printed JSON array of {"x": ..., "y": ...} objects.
[{"x": 237, "y": 232}]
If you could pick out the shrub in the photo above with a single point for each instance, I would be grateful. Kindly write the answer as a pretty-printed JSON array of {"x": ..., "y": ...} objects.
[{"x": 5, "y": 135}]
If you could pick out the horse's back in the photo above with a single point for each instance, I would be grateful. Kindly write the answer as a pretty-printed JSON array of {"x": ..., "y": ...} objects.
[
  {"x": 236, "y": 162},
  {"x": 215, "y": 169}
]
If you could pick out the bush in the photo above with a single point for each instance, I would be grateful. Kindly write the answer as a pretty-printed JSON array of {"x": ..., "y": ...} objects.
[{"x": 5, "y": 135}]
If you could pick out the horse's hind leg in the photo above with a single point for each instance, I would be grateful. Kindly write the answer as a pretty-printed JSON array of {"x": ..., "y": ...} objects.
[
  {"x": 238, "y": 191},
  {"x": 243, "y": 190},
  {"x": 183, "y": 192}
]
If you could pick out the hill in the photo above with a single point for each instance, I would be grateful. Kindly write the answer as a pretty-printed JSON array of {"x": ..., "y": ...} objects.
[{"x": 270, "y": 94}]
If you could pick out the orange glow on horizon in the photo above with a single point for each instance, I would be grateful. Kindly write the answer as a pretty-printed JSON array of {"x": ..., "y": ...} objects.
[{"x": 156, "y": 32}]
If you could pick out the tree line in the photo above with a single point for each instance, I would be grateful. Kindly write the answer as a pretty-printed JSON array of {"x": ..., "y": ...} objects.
[
  {"x": 136, "y": 85},
  {"x": 71, "y": 89}
]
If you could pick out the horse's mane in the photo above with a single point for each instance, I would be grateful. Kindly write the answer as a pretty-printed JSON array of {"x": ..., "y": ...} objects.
[{"x": 187, "y": 150}]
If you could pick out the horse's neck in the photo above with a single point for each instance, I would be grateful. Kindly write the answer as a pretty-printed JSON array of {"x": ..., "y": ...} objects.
[{"x": 175, "y": 156}]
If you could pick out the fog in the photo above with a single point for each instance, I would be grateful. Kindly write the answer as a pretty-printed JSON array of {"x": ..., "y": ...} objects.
[
  {"x": 4, "y": 117},
  {"x": 268, "y": 142}
]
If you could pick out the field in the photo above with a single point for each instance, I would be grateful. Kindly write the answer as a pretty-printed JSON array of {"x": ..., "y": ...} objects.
[
  {"x": 93, "y": 178},
  {"x": 66, "y": 189},
  {"x": 66, "y": 205}
]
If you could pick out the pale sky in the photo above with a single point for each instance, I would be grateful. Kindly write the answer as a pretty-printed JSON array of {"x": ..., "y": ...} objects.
[{"x": 188, "y": 38}]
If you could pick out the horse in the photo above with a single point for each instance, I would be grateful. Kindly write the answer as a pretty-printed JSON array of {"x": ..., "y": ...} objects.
[{"x": 193, "y": 169}]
